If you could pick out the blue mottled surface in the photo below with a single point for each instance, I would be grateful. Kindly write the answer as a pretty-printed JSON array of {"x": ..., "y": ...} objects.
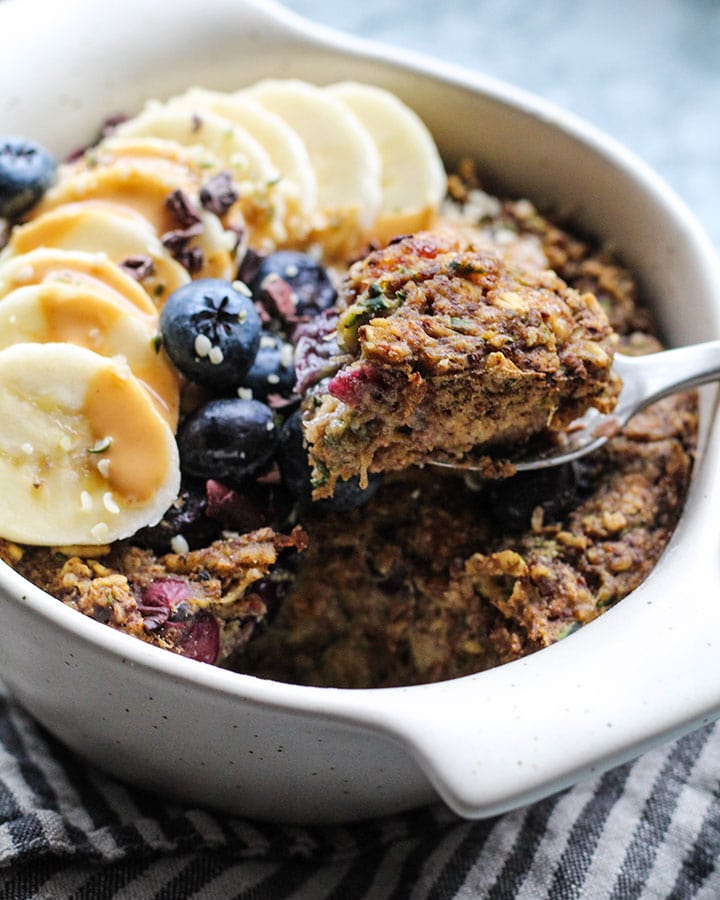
[{"x": 645, "y": 71}]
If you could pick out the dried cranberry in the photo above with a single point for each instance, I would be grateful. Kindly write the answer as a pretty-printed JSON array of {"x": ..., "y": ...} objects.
[
  {"x": 354, "y": 383},
  {"x": 317, "y": 354},
  {"x": 159, "y": 599},
  {"x": 253, "y": 506},
  {"x": 292, "y": 286},
  {"x": 197, "y": 639}
]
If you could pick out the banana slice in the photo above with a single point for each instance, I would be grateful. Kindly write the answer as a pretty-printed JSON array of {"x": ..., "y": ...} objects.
[
  {"x": 141, "y": 184},
  {"x": 237, "y": 150},
  {"x": 260, "y": 207},
  {"x": 198, "y": 159},
  {"x": 84, "y": 456},
  {"x": 284, "y": 147},
  {"x": 75, "y": 267},
  {"x": 218, "y": 246},
  {"x": 95, "y": 229},
  {"x": 342, "y": 153},
  {"x": 138, "y": 187},
  {"x": 413, "y": 178},
  {"x": 55, "y": 312}
]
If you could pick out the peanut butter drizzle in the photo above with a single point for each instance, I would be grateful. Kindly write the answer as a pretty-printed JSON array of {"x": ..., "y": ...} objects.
[
  {"x": 59, "y": 234},
  {"x": 142, "y": 188},
  {"x": 118, "y": 408},
  {"x": 83, "y": 319},
  {"x": 107, "y": 278},
  {"x": 92, "y": 322}
]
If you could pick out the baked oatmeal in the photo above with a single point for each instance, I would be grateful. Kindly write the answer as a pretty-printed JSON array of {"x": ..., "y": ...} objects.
[
  {"x": 272, "y": 284},
  {"x": 452, "y": 350},
  {"x": 204, "y": 604}
]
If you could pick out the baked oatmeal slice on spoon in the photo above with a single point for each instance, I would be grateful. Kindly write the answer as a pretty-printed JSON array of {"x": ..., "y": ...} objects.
[{"x": 447, "y": 350}]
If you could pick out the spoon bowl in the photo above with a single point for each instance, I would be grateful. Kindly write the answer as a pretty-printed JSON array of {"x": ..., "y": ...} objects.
[{"x": 645, "y": 379}]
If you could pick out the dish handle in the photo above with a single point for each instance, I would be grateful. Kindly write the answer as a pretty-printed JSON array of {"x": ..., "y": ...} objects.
[{"x": 512, "y": 735}]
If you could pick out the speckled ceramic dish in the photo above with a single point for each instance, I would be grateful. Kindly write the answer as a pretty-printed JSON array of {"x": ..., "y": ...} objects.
[{"x": 646, "y": 671}]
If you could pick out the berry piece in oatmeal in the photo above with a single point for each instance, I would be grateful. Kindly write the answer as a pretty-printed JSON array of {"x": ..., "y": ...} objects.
[
  {"x": 185, "y": 520},
  {"x": 204, "y": 604},
  {"x": 554, "y": 491},
  {"x": 453, "y": 350},
  {"x": 297, "y": 475}
]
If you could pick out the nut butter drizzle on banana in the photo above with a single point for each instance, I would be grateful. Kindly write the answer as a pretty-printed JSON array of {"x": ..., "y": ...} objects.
[{"x": 90, "y": 401}]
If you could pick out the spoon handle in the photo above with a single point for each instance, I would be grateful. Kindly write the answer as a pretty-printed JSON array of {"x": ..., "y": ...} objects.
[{"x": 649, "y": 378}]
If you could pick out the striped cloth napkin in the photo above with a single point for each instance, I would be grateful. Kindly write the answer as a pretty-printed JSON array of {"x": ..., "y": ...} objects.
[{"x": 648, "y": 829}]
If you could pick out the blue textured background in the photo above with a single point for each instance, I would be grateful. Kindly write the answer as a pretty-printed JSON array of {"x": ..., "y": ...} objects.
[{"x": 645, "y": 71}]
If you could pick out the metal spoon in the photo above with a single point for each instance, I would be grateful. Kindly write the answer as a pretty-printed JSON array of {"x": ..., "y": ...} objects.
[{"x": 645, "y": 380}]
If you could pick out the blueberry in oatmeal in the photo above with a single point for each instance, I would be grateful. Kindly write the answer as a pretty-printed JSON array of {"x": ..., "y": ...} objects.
[
  {"x": 186, "y": 518},
  {"x": 228, "y": 438},
  {"x": 26, "y": 172},
  {"x": 297, "y": 473},
  {"x": 514, "y": 500},
  {"x": 293, "y": 284},
  {"x": 273, "y": 371},
  {"x": 211, "y": 332}
]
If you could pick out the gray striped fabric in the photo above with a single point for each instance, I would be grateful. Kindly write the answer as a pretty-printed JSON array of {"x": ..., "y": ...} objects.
[{"x": 648, "y": 829}]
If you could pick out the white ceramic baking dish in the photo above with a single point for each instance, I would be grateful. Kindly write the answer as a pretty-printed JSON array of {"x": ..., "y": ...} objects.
[{"x": 646, "y": 671}]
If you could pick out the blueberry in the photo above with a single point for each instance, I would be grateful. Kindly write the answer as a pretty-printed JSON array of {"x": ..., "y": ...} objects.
[
  {"x": 211, "y": 332},
  {"x": 26, "y": 172},
  {"x": 188, "y": 516},
  {"x": 295, "y": 471},
  {"x": 227, "y": 439},
  {"x": 311, "y": 288},
  {"x": 514, "y": 499},
  {"x": 273, "y": 371},
  {"x": 349, "y": 495}
]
